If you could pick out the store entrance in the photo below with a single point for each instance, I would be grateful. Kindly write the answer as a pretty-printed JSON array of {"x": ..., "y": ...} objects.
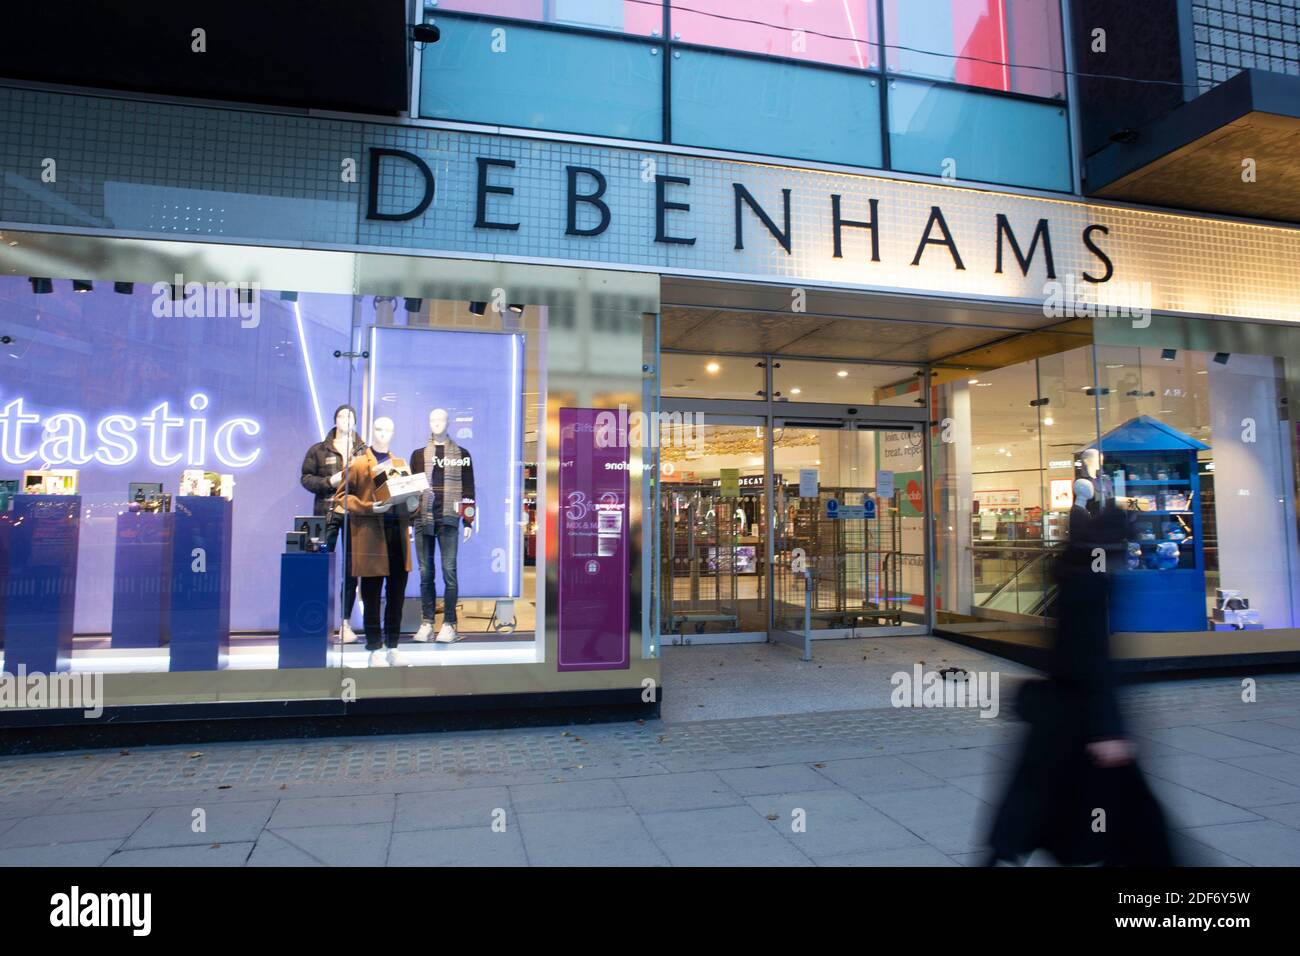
[{"x": 769, "y": 523}]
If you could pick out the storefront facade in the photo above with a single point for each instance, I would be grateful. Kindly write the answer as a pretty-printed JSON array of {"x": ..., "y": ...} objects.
[{"x": 688, "y": 382}]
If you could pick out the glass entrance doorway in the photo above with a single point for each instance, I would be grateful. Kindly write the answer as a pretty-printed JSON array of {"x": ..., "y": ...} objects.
[
  {"x": 754, "y": 500},
  {"x": 713, "y": 532},
  {"x": 854, "y": 517}
]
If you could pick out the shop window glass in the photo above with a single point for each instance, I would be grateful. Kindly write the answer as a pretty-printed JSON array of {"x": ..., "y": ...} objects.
[
  {"x": 171, "y": 477},
  {"x": 1225, "y": 474},
  {"x": 642, "y": 17},
  {"x": 546, "y": 79},
  {"x": 840, "y": 32},
  {"x": 1010, "y": 45},
  {"x": 845, "y": 383},
  {"x": 777, "y": 109},
  {"x": 940, "y": 130}
]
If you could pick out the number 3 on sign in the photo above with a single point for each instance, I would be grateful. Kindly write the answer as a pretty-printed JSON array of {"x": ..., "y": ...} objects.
[{"x": 578, "y": 506}]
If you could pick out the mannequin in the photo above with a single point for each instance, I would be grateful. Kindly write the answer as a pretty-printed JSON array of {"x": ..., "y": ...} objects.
[
  {"x": 1103, "y": 490},
  {"x": 380, "y": 529},
  {"x": 1080, "y": 516},
  {"x": 323, "y": 470},
  {"x": 445, "y": 518}
]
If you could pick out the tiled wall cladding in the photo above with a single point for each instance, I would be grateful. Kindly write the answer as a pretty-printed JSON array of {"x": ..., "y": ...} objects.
[
  {"x": 217, "y": 174},
  {"x": 1233, "y": 35}
]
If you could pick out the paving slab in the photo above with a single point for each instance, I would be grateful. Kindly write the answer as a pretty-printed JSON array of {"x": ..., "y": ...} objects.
[
  {"x": 451, "y": 808},
  {"x": 55, "y": 828},
  {"x": 720, "y": 836},
  {"x": 833, "y": 821},
  {"x": 357, "y": 844},
  {"x": 597, "y": 836},
  {"x": 219, "y": 854},
  {"x": 220, "y": 823},
  {"x": 463, "y": 846}
]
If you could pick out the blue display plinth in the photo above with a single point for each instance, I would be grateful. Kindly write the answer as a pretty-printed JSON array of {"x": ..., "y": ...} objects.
[
  {"x": 307, "y": 600},
  {"x": 200, "y": 584},
  {"x": 40, "y": 586},
  {"x": 142, "y": 572},
  {"x": 1154, "y": 468}
]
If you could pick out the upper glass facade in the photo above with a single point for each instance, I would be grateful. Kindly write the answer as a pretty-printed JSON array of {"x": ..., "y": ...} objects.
[{"x": 959, "y": 89}]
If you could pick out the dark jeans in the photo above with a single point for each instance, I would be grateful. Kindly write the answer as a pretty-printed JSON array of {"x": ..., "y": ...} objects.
[
  {"x": 446, "y": 535},
  {"x": 334, "y": 525},
  {"x": 396, "y": 593}
]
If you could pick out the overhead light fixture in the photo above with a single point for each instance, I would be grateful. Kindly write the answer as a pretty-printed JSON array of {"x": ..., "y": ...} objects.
[
  {"x": 972, "y": 381},
  {"x": 1049, "y": 420},
  {"x": 41, "y": 286},
  {"x": 1169, "y": 354},
  {"x": 842, "y": 373},
  {"x": 796, "y": 391},
  {"x": 82, "y": 285},
  {"x": 124, "y": 288},
  {"x": 478, "y": 308},
  {"x": 1222, "y": 357},
  {"x": 713, "y": 368},
  {"x": 516, "y": 308},
  {"x": 412, "y": 304}
]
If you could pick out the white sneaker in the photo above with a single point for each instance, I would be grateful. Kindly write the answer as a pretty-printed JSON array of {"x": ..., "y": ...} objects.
[
  {"x": 346, "y": 634},
  {"x": 378, "y": 659},
  {"x": 395, "y": 659},
  {"x": 424, "y": 633},
  {"x": 447, "y": 634}
]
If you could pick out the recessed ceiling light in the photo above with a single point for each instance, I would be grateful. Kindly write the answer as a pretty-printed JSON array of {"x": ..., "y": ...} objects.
[
  {"x": 796, "y": 391},
  {"x": 713, "y": 368},
  {"x": 972, "y": 381},
  {"x": 1049, "y": 420},
  {"x": 842, "y": 373}
]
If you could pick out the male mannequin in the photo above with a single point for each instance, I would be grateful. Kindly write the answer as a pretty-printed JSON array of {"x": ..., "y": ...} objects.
[
  {"x": 445, "y": 517},
  {"x": 323, "y": 470},
  {"x": 1080, "y": 517},
  {"x": 380, "y": 541}
]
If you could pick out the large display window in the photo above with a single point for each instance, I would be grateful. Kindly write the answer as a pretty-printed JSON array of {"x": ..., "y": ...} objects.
[
  {"x": 204, "y": 476},
  {"x": 1193, "y": 445}
]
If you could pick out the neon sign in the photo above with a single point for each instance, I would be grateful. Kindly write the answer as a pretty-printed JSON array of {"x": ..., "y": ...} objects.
[{"x": 167, "y": 439}]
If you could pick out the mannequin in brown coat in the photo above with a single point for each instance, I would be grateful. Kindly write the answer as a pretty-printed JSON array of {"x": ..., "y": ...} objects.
[{"x": 381, "y": 546}]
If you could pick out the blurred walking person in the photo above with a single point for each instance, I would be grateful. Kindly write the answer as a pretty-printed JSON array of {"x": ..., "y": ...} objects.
[{"x": 1076, "y": 790}]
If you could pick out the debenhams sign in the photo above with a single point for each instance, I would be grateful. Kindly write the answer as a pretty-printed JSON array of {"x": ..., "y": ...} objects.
[
  {"x": 751, "y": 220},
  {"x": 477, "y": 194}
]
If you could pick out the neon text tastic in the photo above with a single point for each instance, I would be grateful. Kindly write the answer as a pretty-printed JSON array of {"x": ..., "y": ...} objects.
[{"x": 167, "y": 438}]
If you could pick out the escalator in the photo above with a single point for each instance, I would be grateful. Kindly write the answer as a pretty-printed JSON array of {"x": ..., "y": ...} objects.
[{"x": 1017, "y": 580}]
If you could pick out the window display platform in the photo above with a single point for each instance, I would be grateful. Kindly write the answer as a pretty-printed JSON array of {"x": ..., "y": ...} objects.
[{"x": 261, "y": 652}]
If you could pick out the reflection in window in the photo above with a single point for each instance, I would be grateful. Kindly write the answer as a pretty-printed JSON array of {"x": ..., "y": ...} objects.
[
  {"x": 642, "y": 17},
  {"x": 945, "y": 131},
  {"x": 841, "y": 32},
  {"x": 779, "y": 109},
  {"x": 545, "y": 83},
  {"x": 1009, "y": 45}
]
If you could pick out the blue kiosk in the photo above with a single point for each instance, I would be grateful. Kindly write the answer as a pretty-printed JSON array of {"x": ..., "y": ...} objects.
[{"x": 1161, "y": 586}]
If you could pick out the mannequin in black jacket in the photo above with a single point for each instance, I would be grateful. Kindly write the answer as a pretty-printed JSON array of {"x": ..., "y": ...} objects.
[{"x": 323, "y": 469}]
